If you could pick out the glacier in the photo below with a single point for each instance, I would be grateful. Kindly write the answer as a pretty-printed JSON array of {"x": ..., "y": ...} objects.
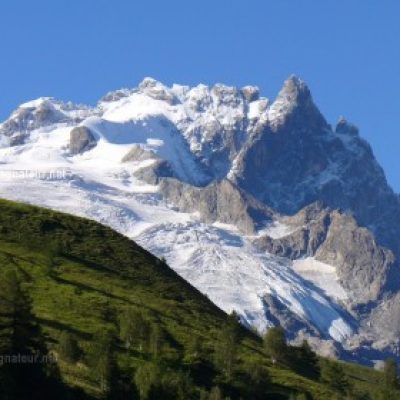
[
  {"x": 216, "y": 258},
  {"x": 199, "y": 135}
]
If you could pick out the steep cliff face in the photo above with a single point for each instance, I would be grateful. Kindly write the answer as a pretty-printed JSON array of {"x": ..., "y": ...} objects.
[
  {"x": 365, "y": 269},
  {"x": 220, "y": 201},
  {"x": 261, "y": 205},
  {"x": 296, "y": 158}
]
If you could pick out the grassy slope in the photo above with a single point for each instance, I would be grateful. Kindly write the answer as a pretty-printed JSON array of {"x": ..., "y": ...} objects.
[{"x": 99, "y": 274}]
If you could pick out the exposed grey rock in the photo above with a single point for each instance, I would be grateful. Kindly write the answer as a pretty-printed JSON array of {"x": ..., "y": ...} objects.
[
  {"x": 299, "y": 244},
  {"x": 250, "y": 93},
  {"x": 41, "y": 113},
  {"x": 18, "y": 139},
  {"x": 153, "y": 173},
  {"x": 295, "y": 158},
  {"x": 295, "y": 108},
  {"x": 115, "y": 95},
  {"x": 277, "y": 313},
  {"x": 138, "y": 153},
  {"x": 383, "y": 323},
  {"x": 215, "y": 138},
  {"x": 363, "y": 266},
  {"x": 157, "y": 90},
  {"x": 345, "y": 128},
  {"x": 291, "y": 150},
  {"x": 219, "y": 144},
  {"x": 310, "y": 229},
  {"x": 25, "y": 119},
  {"x": 81, "y": 139},
  {"x": 226, "y": 95},
  {"x": 324, "y": 347},
  {"x": 367, "y": 272},
  {"x": 331, "y": 236},
  {"x": 221, "y": 201}
]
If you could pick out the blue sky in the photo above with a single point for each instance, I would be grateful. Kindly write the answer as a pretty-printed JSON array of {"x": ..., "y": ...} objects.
[{"x": 348, "y": 51}]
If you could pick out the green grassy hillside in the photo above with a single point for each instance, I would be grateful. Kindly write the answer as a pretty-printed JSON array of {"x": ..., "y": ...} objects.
[{"x": 122, "y": 324}]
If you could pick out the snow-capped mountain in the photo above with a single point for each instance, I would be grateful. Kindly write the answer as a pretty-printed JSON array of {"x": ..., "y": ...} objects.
[{"x": 261, "y": 205}]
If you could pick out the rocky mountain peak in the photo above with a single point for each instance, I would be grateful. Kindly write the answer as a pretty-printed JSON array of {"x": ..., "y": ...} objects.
[
  {"x": 155, "y": 89},
  {"x": 40, "y": 113},
  {"x": 345, "y": 127},
  {"x": 29, "y": 116},
  {"x": 250, "y": 93},
  {"x": 294, "y": 105},
  {"x": 294, "y": 89},
  {"x": 266, "y": 201}
]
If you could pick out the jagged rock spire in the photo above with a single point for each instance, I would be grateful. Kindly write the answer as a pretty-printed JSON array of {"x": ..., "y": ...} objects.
[
  {"x": 294, "y": 102},
  {"x": 345, "y": 127},
  {"x": 294, "y": 89}
]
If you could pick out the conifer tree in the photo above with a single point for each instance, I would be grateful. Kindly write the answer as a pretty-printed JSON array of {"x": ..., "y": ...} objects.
[
  {"x": 333, "y": 376},
  {"x": 305, "y": 360},
  {"x": 258, "y": 380},
  {"x": 275, "y": 344},
  {"x": 20, "y": 332},
  {"x": 25, "y": 373}
]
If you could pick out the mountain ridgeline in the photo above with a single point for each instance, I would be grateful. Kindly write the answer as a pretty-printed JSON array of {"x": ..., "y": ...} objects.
[{"x": 261, "y": 205}]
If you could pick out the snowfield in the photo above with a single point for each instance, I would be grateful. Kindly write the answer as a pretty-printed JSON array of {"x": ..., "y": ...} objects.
[
  {"x": 215, "y": 258},
  {"x": 322, "y": 275},
  {"x": 219, "y": 262}
]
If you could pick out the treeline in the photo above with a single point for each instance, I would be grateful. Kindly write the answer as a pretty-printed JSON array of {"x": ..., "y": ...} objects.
[
  {"x": 202, "y": 368},
  {"x": 209, "y": 374},
  {"x": 304, "y": 361}
]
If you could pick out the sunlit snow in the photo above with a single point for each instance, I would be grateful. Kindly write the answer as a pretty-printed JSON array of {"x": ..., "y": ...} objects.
[{"x": 216, "y": 258}]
